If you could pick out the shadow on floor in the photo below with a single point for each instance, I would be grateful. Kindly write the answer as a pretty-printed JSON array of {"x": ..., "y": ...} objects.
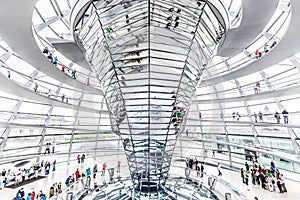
[{"x": 13, "y": 186}]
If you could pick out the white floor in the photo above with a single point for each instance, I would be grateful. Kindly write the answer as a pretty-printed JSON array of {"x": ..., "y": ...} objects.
[
  {"x": 251, "y": 191},
  {"x": 232, "y": 177}
]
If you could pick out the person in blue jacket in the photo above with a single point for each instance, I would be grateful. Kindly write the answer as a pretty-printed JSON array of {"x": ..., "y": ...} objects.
[{"x": 88, "y": 172}]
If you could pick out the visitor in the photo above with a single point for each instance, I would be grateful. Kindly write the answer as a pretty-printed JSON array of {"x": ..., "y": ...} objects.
[
  {"x": 54, "y": 60},
  {"x": 119, "y": 167},
  {"x": 47, "y": 168},
  {"x": 263, "y": 179},
  {"x": 272, "y": 163},
  {"x": 54, "y": 165},
  {"x": 50, "y": 57},
  {"x": 23, "y": 173},
  {"x": 53, "y": 146},
  {"x": 238, "y": 116},
  {"x": 255, "y": 117},
  {"x": 59, "y": 190},
  {"x": 40, "y": 195},
  {"x": 257, "y": 85},
  {"x": 273, "y": 44},
  {"x": 49, "y": 93},
  {"x": 247, "y": 166},
  {"x": 74, "y": 75},
  {"x": 219, "y": 169},
  {"x": 82, "y": 158},
  {"x": 222, "y": 115},
  {"x": 78, "y": 159},
  {"x": 201, "y": 170},
  {"x": 51, "y": 191},
  {"x": 246, "y": 177},
  {"x": 63, "y": 98},
  {"x": 18, "y": 197},
  {"x": 68, "y": 181},
  {"x": 285, "y": 116},
  {"x": 279, "y": 185},
  {"x": 47, "y": 150},
  {"x": 95, "y": 170},
  {"x": 277, "y": 117},
  {"x": 233, "y": 115},
  {"x": 169, "y": 24},
  {"x": 199, "y": 3},
  {"x": 283, "y": 183},
  {"x": 198, "y": 170},
  {"x": 257, "y": 54},
  {"x": 255, "y": 89},
  {"x": 108, "y": 30},
  {"x": 103, "y": 169},
  {"x": 8, "y": 74},
  {"x": 32, "y": 195},
  {"x": 125, "y": 142},
  {"x": 83, "y": 172},
  {"x": 77, "y": 174},
  {"x": 242, "y": 175},
  {"x": 260, "y": 116},
  {"x": 176, "y": 24},
  {"x": 63, "y": 68},
  {"x": 127, "y": 22},
  {"x": 3, "y": 173},
  {"x": 28, "y": 196},
  {"x": 46, "y": 50},
  {"x": 20, "y": 193},
  {"x": 88, "y": 172},
  {"x": 35, "y": 87},
  {"x": 266, "y": 48}
]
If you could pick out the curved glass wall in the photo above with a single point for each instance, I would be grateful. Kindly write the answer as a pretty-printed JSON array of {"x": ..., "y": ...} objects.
[{"x": 25, "y": 119}]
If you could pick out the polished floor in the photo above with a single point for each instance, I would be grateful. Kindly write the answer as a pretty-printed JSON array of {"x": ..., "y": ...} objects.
[{"x": 230, "y": 176}]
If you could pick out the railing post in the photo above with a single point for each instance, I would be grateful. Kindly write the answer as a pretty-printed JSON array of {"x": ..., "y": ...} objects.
[
  {"x": 227, "y": 196},
  {"x": 69, "y": 196}
]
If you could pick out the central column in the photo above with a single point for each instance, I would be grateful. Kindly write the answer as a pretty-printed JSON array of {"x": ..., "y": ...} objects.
[{"x": 149, "y": 56}]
